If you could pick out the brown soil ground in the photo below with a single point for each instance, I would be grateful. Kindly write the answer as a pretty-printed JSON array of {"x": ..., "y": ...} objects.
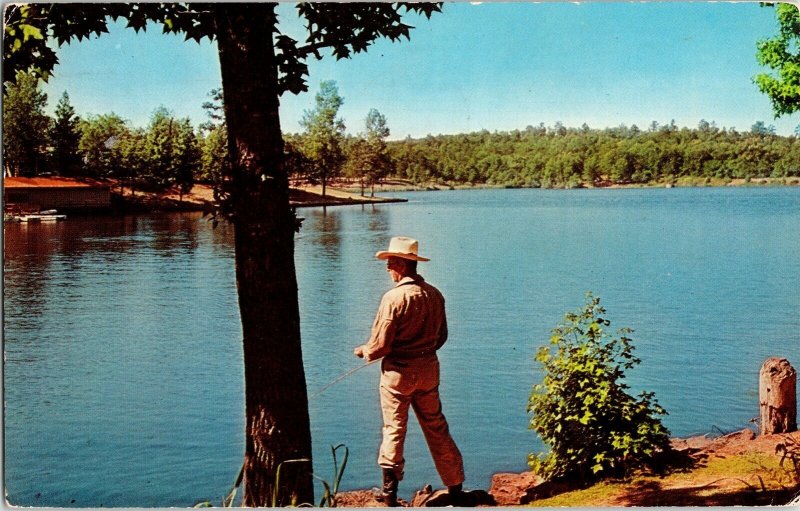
[
  {"x": 201, "y": 197},
  {"x": 311, "y": 195},
  {"x": 736, "y": 469}
]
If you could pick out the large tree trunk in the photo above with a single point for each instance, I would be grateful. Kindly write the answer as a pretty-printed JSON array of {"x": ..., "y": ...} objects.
[{"x": 277, "y": 422}]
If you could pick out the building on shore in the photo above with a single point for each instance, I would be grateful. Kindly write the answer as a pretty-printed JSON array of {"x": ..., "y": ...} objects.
[{"x": 60, "y": 193}]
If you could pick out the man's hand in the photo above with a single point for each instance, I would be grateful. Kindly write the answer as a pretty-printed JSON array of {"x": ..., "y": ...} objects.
[{"x": 359, "y": 352}]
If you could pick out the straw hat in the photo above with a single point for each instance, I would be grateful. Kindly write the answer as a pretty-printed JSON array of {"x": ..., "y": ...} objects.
[{"x": 401, "y": 246}]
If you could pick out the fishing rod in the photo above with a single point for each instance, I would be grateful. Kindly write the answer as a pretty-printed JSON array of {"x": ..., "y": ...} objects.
[{"x": 340, "y": 378}]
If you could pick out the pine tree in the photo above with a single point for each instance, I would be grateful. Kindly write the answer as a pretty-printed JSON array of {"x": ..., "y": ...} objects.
[
  {"x": 187, "y": 157},
  {"x": 65, "y": 137}
]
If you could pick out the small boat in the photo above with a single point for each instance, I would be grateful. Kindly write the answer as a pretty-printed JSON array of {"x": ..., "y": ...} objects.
[
  {"x": 38, "y": 217},
  {"x": 17, "y": 213}
]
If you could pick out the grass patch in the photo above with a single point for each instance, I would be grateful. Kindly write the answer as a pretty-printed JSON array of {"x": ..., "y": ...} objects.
[
  {"x": 748, "y": 479},
  {"x": 733, "y": 466},
  {"x": 600, "y": 494}
]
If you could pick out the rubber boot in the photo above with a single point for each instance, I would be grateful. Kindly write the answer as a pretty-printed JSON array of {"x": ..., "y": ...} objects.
[
  {"x": 389, "y": 491},
  {"x": 457, "y": 496}
]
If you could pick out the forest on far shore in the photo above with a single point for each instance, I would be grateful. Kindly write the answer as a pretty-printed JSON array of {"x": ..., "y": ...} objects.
[{"x": 568, "y": 157}]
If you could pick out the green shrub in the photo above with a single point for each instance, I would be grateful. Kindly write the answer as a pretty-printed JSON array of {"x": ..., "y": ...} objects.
[{"x": 582, "y": 410}]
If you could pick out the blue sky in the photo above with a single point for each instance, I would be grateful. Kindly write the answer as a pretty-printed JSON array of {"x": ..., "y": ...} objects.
[{"x": 493, "y": 66}]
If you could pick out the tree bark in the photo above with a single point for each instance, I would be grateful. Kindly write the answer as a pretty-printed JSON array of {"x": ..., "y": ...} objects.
[
  {"x": 777, "y": 392},
  {"x": 277, "y": 421}
]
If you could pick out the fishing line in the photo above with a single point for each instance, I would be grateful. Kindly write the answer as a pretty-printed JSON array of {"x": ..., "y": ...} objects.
[{"x": 340, "y": 378}]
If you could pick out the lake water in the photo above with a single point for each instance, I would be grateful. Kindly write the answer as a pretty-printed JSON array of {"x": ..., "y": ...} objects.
[{"x": 123, "y": 365}]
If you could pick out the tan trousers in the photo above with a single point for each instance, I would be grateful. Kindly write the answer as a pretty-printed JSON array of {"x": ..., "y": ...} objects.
[{"x": 415, "y": 383}]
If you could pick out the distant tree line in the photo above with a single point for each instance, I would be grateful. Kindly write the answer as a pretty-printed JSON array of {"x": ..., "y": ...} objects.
[
  {"x": 170, "y": 152},
  {"x": 558, "y": 156}
]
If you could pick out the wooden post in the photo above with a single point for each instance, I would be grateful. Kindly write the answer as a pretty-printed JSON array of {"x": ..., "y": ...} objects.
[{"x": 777, "y": 395}]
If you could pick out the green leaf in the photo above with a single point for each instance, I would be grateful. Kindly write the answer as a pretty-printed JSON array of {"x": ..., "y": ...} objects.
[{"x": 30, "y": 32}]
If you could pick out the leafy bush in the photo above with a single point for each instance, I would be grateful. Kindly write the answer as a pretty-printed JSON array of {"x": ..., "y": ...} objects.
[{"x": 582, "y": 410}]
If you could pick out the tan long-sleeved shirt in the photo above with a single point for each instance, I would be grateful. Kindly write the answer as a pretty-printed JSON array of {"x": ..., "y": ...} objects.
[{"x": 410, "y": 322}]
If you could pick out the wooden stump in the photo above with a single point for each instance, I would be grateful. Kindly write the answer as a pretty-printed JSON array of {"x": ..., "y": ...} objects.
[{"x": 777, "y": 393}]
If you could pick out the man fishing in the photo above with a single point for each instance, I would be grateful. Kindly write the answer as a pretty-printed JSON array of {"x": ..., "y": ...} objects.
[{"x": 409, "y": 328}]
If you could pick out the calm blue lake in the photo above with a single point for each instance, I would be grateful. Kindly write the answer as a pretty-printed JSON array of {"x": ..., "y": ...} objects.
[{"x": 123, "y": 366}]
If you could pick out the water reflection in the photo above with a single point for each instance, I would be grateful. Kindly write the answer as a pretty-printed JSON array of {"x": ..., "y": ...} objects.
[
  {"x": 177, "y": 233},
  {"x": 377, "y": 219},
  {"x": 109, "y": 235},
  {"x": 221, "y": 236},
  {"x": 122, "y": 361},
  {"x": 325, "y": 226},
  {"x": 324, "y": 262},
  {"x": 27, "y": 253}
]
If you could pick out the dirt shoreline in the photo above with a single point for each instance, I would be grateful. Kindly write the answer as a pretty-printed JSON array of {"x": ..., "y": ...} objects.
[
  {"x": 201, "y": 197},
  {"x": 399, "y": 185},
  {"x": 739, "y": 468}
]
